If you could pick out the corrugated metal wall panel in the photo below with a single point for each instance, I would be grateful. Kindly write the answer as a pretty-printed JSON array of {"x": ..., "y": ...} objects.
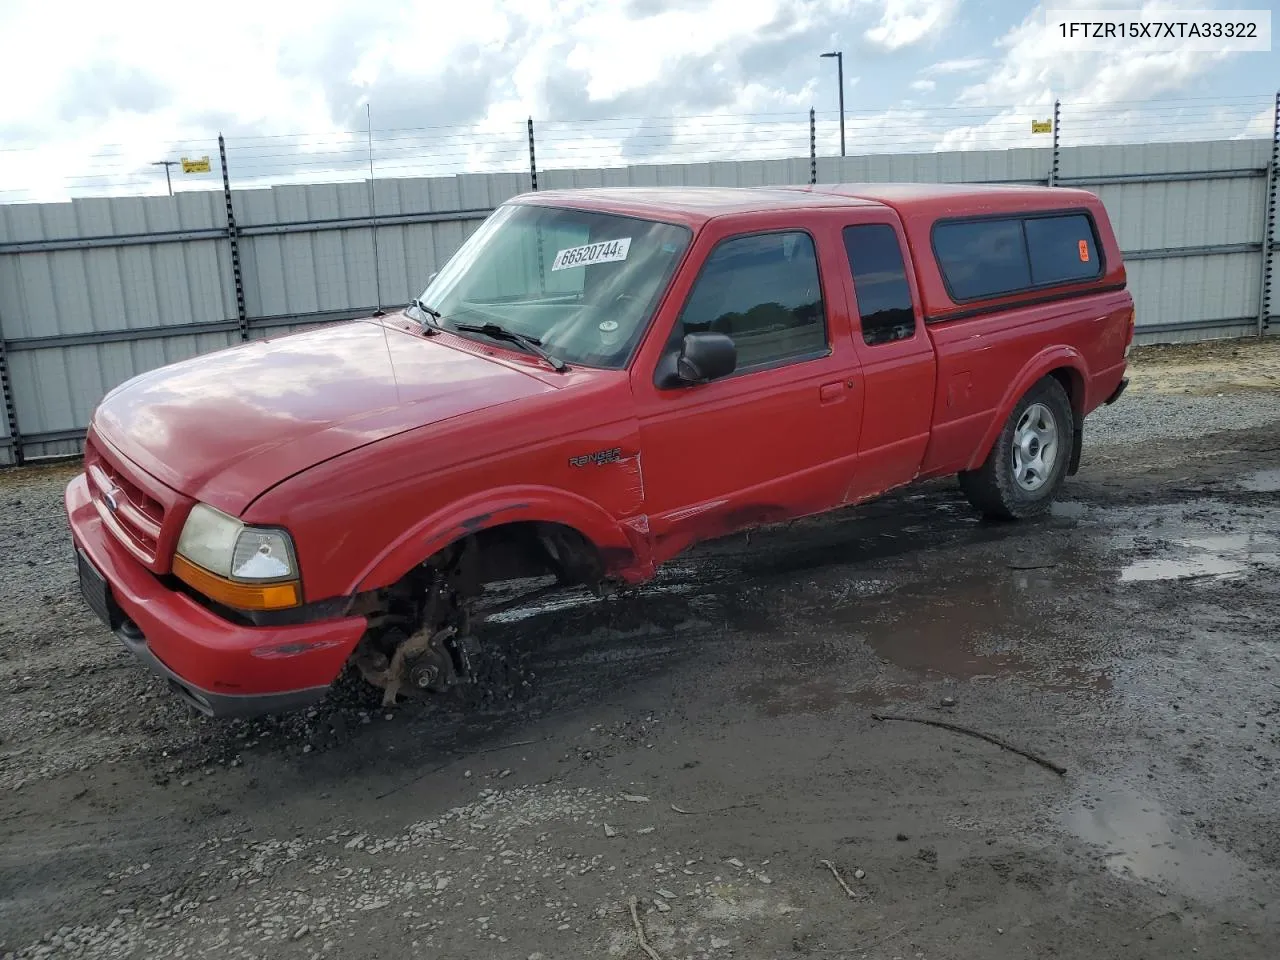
[
  {"x": 53, "y": 448},
  {"x": 1200, "y": 334},
  {"x": 410, "y": 253},
  {"x": 1150, "y": 158},
  {"x": 114, "y": 216},
  {"x": 977, "y": 166},
  {"x": 297, "y": 273},
  {"x": 276, "y": 332},
  {"x": 1192, "y": 289},
  {"x": 1153, "y": 216},
  {"x": 294, "y": 274},
  {"x": 752, "y": 173},
  {"x": 113, "y": 288},
  {"x": 570, "y": 179},
  {"x": 57, "y": 388}
]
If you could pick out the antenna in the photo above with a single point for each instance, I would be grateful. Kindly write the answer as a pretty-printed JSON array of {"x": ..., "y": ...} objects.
[
  {"x": 377, "y": 272},
  {"x": 373, "y": 213}
]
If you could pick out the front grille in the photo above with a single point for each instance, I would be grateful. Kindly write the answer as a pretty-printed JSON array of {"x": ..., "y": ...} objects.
[{"x": 133, "y": 514}]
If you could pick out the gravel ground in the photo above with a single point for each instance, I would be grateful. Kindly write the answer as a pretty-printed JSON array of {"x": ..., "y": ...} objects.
[
  {"x": 1143, "y": 416},
  {"x": 709, "y": 745},
  {"x": 1192, "y": 391}
]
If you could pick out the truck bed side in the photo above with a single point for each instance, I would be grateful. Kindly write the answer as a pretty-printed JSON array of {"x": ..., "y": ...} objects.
[
  {"x": 986, "y": 362},
  {"x": 989, "y": 352}
]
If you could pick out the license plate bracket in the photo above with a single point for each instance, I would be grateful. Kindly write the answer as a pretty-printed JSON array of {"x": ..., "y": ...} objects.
[{"x": 97, "y": 592}]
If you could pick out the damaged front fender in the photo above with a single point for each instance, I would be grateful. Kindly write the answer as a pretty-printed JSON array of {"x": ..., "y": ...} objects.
[{"x": 622, "y": 548}]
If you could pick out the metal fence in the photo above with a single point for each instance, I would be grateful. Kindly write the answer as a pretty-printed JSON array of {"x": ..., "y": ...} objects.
[{"x": 96, "y": 290}]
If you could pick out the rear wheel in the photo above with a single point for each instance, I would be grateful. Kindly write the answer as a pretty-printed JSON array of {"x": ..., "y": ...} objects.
[{"x": 1027, "y": 464}]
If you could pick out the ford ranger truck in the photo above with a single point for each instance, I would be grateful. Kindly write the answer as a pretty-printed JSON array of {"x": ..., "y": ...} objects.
[{"x": 594, "y": 382}]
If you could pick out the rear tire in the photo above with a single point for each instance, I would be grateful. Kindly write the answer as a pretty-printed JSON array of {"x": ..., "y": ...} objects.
[{"x": 1029, "y": 461}]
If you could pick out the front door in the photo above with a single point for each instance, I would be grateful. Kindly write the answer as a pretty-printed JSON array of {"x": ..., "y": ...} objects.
[{"x": 776, "y": 438}]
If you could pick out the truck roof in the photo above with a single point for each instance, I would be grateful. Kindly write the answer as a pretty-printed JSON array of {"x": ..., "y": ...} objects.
[
  {"x": 944, "y": 199},
  {"x": 696, "y": 205},
  {"x": 690, "y": 205}
]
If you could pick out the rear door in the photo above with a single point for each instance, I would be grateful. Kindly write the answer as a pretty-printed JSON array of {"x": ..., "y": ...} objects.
[
  {"x": 778, "y": 437},
  {"x": 897, "y": 357}
]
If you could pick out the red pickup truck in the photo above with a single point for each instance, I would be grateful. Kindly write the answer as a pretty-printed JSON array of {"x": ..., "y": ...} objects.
[{"x": 596, "y": 380}]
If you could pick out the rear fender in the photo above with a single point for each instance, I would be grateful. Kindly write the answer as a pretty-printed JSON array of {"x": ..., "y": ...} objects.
[
  {"x": 624, "y": 549},
  {"x": 1038, "y": 367}
]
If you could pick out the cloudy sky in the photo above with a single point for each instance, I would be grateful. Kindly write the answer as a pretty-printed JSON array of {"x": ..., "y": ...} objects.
[{"x": 98, "y": 92}]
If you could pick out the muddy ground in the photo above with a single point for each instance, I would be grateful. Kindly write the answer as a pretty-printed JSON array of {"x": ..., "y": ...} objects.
[{"x": 706, "y": 744}]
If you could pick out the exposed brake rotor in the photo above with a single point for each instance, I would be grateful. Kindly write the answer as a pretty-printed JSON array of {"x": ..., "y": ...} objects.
[{"x": 436, "y": 657}]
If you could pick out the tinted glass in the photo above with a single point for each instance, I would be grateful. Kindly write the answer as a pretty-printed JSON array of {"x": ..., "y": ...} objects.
[
  {"x": 762, "y": 291},
  {"x": 1062, "y": 249},
  {"x": 982, "y": 258},
  {"x": 880, "y": 283}
]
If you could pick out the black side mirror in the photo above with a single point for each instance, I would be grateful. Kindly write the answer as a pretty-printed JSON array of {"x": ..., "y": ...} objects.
[
  {"x": 706, "y": 356},
  {"x": 702, "y": 357}
]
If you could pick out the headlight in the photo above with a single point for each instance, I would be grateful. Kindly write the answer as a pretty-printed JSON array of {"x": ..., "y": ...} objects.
[{"x": 249, "y": 568}]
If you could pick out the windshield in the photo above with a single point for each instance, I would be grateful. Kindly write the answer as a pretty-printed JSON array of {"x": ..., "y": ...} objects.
[{"x": 582, "y": 283}]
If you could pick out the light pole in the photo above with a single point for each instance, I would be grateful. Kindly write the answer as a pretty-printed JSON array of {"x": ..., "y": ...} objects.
[
  {"x": 839, "y": 55},
  {"x": 166, "y": 164}
]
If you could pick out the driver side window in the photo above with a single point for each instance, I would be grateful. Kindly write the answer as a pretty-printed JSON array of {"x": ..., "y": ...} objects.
[{"x": 763, "y": 291}]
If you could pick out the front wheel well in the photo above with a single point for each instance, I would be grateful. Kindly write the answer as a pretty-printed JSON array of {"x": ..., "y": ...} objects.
[
  {"x": 419, "y": 628},
  {"x": 520, "y": 550},
  {"x": 526, "y": 549}
]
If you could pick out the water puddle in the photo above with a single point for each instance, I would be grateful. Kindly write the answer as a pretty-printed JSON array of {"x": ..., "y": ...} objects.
[
  {"x": 576, "y": 598},
  {"x": 540, "y": 607},
  {"x": 1263, "y": 481},
  {"x": 1167, "y": 569},
  {"x": 1068, "y": 510},
  {"x": 1143, "y": 842},
  {"x": 977, "y": 628},
  {"x": 1216, "y": 556}
]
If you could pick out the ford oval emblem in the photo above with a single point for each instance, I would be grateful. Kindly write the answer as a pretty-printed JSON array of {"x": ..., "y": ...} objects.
[{"x": 109, "y": 498}]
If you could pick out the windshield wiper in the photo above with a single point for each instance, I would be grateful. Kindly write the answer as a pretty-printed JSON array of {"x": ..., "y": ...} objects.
[
  {"x": 430, "y": 316},
  {"x": 498, "y": 332}
]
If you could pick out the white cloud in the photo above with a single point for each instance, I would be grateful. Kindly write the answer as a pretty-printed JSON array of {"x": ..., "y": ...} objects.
[
  {"x": 130, "y": 86},
  {"x": 963, "y": 65},
  {"x": 1032, "y": 72},
  {"x": 1261, "y": 125},
  {"x": 905, "y": 23}
]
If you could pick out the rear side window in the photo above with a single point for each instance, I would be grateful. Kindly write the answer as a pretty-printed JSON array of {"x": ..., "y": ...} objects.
[
  {"x": 880, "y": 283},
  {"x": 982, "y": 258},
  {"x": 996, "y": 257},
  {"x": 1062, "y": 249}
]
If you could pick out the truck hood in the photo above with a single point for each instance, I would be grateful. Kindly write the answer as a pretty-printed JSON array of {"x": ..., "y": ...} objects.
[{"x": 226, "y": 426}]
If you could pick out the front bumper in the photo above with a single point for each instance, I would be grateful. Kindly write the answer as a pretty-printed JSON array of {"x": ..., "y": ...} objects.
[{"x": 220, "y": 668}]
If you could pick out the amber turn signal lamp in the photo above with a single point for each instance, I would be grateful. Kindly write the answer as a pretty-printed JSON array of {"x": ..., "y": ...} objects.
[{"x": 239, "y": 596}]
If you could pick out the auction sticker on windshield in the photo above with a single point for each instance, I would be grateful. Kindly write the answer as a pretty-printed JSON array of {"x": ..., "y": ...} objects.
[{"x": 606, "y": 251}]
